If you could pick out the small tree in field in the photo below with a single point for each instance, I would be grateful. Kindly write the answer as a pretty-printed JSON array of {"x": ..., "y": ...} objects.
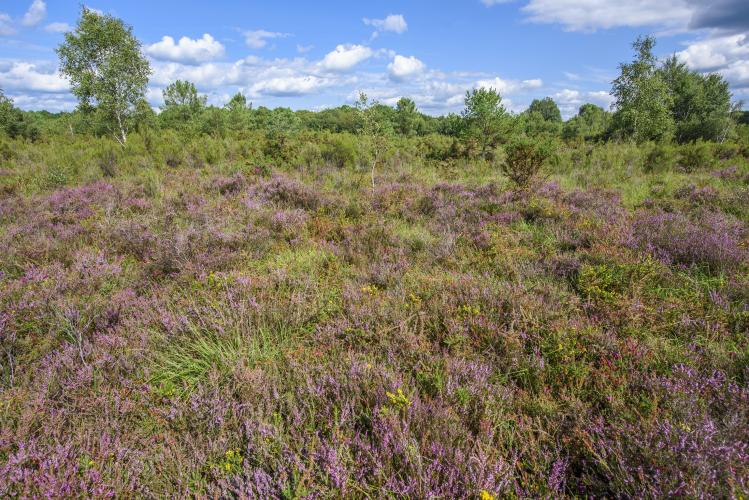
[
  {"x": 183, "y": 94},
  {"x": 407, "y": 116},
  {"x": 524, "y": 160},
  {"x": 107, "y": 71},
  {"x": 485, "y": 118},
  {"x": 182, "y": 103},
  {"x": 373, "y": 132}
]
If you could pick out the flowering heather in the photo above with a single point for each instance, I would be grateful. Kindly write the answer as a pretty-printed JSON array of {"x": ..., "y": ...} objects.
[
  {"x": 708, "y": 238},
  {"x": 215, "y": 331}
]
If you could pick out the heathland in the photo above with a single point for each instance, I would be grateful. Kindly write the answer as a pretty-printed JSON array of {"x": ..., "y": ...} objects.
[{"x": 371, "y": 302}]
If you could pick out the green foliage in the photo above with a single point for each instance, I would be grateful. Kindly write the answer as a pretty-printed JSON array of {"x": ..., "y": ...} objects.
[
  {"x": 407, "y": 117},
  {"x": 184, "y": 95},
  {"x": 340, "y": 150},
  {"x": 642, "y": 98},
  {"x": 701, "y": 106},
  {"x": 590, "y": 124},
  {"x": 107, "y": 71},
  {"x": 660, "y": 157},
  {"x": 238, "y": 112},
  {"x": 524, "y": 159},
  {"x": 547, "y": 108},
  {"x": 534, "y": 125},
  {"x": 486, "y": 120},
  {"x": 13, "y": 122},
  {"x": 374, "y": 131},
  {"x": 107, "y": 160},
  {"x": 695, "y": 155}
]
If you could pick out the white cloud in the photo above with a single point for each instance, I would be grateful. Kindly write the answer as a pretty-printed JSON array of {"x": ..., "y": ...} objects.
[
  {"x": 394, "y": 22},
  {"x": 345, "y": 57},
  {"x": 570, "y": 100},
  {"x": 601, "y": 97},
  {"x": 207, "y": 75},
  {"x": 509, "y": 86},
  {"x": 303, "y": 49},
  {"x": 6, "y": 25},
  {"x": 48, "y": 102},
  {"x": 716, "y": 52},
  {"x": 590, "y": 15},
  {"x": 259, "y": 38},
  {"x": 727, "y": 55},
  {"x": 36, "y": 13},
  {"x": 186, "y": 50},
  {"x": 290, "y": 86},
  {"x": 403, "y": 67},
  {"x": 58, "y": 27},
  {"x": 28, "y": 76}
]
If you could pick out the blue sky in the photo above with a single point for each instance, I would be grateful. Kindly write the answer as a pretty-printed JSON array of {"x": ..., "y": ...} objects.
[{"x": 320, "y": 54}]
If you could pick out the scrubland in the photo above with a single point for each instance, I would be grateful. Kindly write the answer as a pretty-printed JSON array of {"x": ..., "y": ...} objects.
[{"x": 210, "y": 317}]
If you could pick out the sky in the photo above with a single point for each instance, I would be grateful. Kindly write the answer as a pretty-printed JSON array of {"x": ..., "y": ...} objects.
[{"x": 313, "y": 55}]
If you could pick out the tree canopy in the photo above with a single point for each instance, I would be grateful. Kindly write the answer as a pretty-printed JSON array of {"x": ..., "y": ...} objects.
[
  {"x": 642, "y": 98},
  {"x": 106, "y": 68}
]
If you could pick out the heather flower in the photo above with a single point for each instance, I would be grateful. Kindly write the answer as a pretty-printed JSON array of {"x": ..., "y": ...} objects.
[{"x": 710, "y": 238}]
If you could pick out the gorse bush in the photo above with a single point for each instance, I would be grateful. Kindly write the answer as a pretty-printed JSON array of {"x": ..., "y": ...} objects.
[{"x": 524, "y": 159}]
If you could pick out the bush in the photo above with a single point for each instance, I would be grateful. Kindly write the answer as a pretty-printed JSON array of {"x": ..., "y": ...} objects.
[
  {"x": 340, "y": 151},
  {"x": 660, "y": 158},
  {"x": 436, "y": 147},
  {"x": 524, "y": 159},
  {"x": 107, "y": 161},
  {"x": 695, "y": 155},
  {"x": 725, "y": 150}
]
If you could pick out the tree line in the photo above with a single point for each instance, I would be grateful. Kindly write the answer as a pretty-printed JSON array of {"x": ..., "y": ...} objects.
[{"x": 104, "y": 62}]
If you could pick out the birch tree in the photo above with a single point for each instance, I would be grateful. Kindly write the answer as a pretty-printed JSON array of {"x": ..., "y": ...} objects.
[{"x": 106, "y": 68}]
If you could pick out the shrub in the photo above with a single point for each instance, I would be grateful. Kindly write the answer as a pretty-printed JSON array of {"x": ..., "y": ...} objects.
[
  {"x": 695, "y": 155},
  {"x": 340, "y": 151},
  {"x": 436, "y": 147},
  {"x": 524, "y": 159},
  {"x": 107, "y": 162},
  {"x": 660, "y": 158}
]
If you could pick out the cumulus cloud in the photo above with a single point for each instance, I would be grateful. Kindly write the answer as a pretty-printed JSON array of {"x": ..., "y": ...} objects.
[
  {"x": 27, "y": 76},
  {"x": 186, "y": 50},
  {"x": 509, "y": 86},
  {"x": 727, "y": 55},
  {"x": 259, "y": 38},
  {"x": 345, "y": 57},
  {"x": 570, "y": 100},
  {"x": 36, "y": 13},
  {"x": 403, "y": 68},
  {"x": 394, "y": 22},
  {"x": 48, "y": 102},
  {"x": 289, "y": 86},
  {"x": 58, "y": 28},
  {"x": 206, "y": 75},
  {"x": 715, "y": 52}
]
